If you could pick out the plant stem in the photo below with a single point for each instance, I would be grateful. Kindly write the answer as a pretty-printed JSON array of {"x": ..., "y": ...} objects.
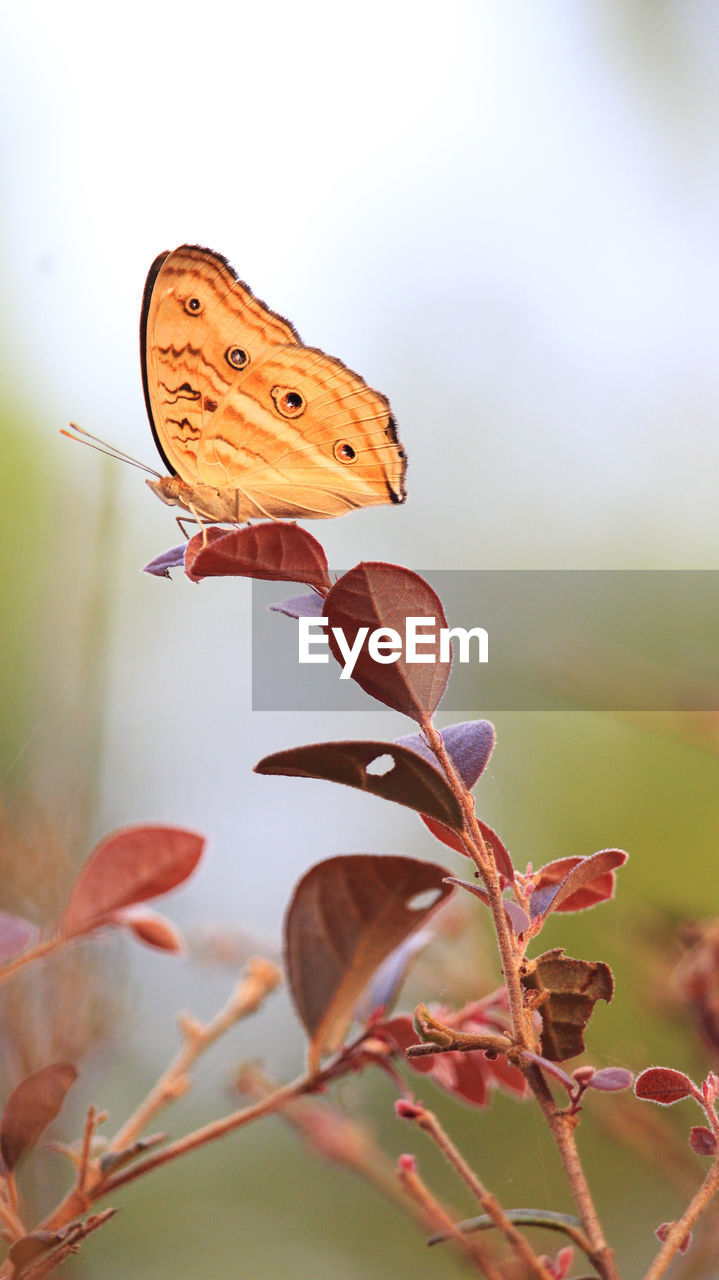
[
  {"x": 41, "y": 949},
  {"x": 428, "y": 1121},
  {"x": 260, "y": 979},
  {"x": 681, "y": 1228},
  {"x": 437, "y": 1219},
  {"x": 485, "y": 864},
  {"x": 561, "y": 1126}
]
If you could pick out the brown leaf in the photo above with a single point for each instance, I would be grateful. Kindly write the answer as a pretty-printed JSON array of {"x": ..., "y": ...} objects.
[
  {"x": 567, "y": 991},
  {"x": 31, "y": 1107},
  {"x": 277, "y": 552},
  {"x": 381, "y": 596},
  {"x": 573, "y": 884},
  {"x": 382, "y": 768},
  {"x": 33, "y": 1246},
  {"x": 346, "y": 915},
  {"x": 129, "y": 866}
]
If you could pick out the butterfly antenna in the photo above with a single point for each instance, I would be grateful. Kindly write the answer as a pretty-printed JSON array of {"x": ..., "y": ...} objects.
[{"x": 94, "y": 442}]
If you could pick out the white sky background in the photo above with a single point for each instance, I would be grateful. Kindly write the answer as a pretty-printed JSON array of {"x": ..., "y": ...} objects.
[{"x": 504, "y": 215}]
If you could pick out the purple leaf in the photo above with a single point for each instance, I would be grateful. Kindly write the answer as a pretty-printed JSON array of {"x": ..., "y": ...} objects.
[
  {"x": 160, "y": 567},
  {"x": 610, "y": 1079},
  {"x": 381, "y": 991},
  {"x": 469, "y": 746},
  {"x": 553, "y": 1068},
  {"x": 15, "y": 933},
  {"x": 514, "y": 913},
  {"x": 308, "y": 606}
]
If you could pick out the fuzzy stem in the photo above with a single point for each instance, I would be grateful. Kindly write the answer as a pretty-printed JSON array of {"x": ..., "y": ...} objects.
[
  {"x": 428, "y": 1121},
  {"x": 697, "y": 1205},
  {"x": 436, "y": 1218},
  {"x": 477, "y": 848},
  {"x": 561, "y": 1125}
]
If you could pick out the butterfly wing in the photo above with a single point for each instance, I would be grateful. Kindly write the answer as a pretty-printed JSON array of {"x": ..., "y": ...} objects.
[{"x": 236, "y": 402}]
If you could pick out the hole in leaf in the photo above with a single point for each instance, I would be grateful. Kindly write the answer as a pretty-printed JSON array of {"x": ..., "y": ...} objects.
[
  {"x": 423, "y": 901},
  {"x": 380, "y": 765}
]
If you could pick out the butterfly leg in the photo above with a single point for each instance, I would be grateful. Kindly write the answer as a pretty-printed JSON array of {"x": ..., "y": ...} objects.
[
  {"x": 201, "y": 523},
  {"x": 182, "y": 521}
]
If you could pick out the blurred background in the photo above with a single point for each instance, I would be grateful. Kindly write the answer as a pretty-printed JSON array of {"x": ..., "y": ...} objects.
[{"x": 503, "y": 216}]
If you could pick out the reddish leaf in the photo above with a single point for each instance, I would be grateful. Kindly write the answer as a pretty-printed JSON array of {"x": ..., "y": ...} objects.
[
  {"x": 383, "y": 596},
  {"x": 702, "y": 1141},
  {"x": 468, "y": 745},
  {"x": 400, "y": 774},
  {"x": 346, "y": 915},
  {"x": 278, "y": 552},
  {"x": 31, "y": 1107},
  {"x": 573, "y": 884},
  {"x": 664, "y": 1085},
  {"x": 491, "y": 839},
  {"x": 129, "y": 866},
  {"x": 160, "y": 567},
  {"x": 567, "y": 991},
  {"x": 15, "y": 933},
  {"x": 150, "y": 928}
]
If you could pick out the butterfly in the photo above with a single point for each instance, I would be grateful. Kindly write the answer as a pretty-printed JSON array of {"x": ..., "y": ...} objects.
[{"x": 249, "y": 422}]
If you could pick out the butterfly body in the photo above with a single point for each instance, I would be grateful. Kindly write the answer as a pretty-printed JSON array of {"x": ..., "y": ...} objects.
[{"x": 249, "y": 421}]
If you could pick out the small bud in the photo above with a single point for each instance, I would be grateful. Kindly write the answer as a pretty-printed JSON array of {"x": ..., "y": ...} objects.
[
  {"x": 663, "y": 1231},
  {"x": 407, "y": 1164},
  {"x": 583, "y": 1075},
  {"x": 407, "y": 1110},
  {"x": 702, "y": 1141}
]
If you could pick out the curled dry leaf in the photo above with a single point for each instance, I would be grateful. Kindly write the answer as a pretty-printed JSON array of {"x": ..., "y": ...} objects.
[
  {"x": 573, "y": 884},
  {"x": 382, "y": 768},
  {"x": 468, "y": 745},
  {"x": 664, "y": 1085},
  {"x": 31, "y": 1107},
  {"x": 129, "y": 866},
  {"x": 567, "y": 991},
  {"x": 379, "y": 596},
  {"x": 277, "y": 552},
  {"x": 346, "y": 915}
]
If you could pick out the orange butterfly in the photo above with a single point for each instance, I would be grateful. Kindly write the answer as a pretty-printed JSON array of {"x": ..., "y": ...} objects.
[{"x": 249, "y": 422}]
